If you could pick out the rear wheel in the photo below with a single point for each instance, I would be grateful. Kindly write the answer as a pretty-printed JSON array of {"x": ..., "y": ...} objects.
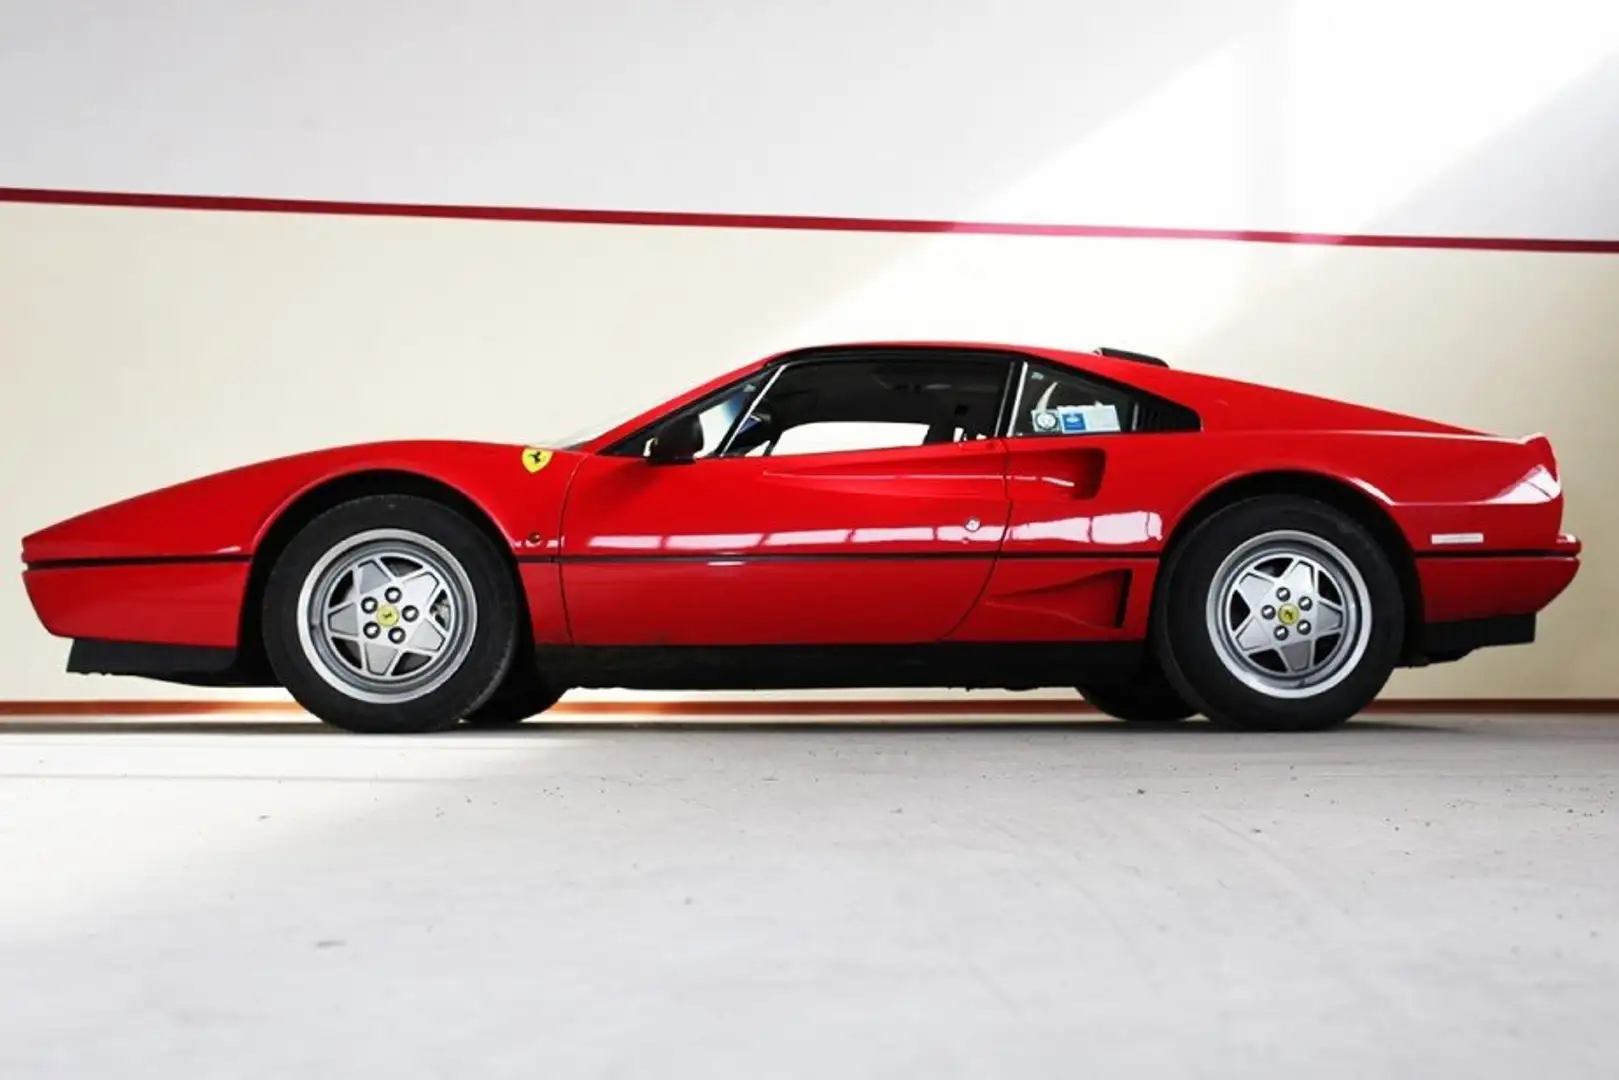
[
  {"x": 1279, "y": 613},
  {"x": 1148, "y": 698},
  {"x": 391, "y": 613}
]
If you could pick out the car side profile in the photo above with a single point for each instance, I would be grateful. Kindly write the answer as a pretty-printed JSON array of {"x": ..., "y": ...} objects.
[{"x": 876, "y": 515}]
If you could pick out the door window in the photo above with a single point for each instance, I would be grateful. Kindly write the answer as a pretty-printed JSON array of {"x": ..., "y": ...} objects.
[
  {"x": 717, "y": 414},
  {"x": 720, "y": 416},
  {"x": 832, "y": 405},
  {"x": 1067, "y": 403}
]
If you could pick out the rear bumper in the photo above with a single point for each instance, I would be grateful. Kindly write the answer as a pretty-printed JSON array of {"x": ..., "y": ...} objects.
[
  {"x": 1476, "y": 601},
  {"x": 1469, "y": 587}
]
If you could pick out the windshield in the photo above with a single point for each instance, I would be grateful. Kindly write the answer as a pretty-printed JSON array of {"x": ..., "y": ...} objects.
[
  {"x": 579, "y": 436},
  {"x": 586, "y": 433}
]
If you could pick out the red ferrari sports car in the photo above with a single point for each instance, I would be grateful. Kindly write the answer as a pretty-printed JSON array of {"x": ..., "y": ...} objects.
[{"x": 884, "y": 515}]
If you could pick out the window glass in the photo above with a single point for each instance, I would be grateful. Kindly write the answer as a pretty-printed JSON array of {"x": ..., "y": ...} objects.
[
  {"x": 1067, "y": 403},
  {"x": 852, "y": 404},
  {"x": 818, "y": 438},
  {"x": 716, "y": 415}
]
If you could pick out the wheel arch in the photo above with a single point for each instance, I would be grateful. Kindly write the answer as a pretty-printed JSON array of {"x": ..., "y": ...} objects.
[
  {"x": 1336, "y": 492},
  {"x": 334, "y": 491}
]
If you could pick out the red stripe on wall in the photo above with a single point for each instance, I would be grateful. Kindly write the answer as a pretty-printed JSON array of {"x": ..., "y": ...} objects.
[{"x": 798, "y": 222}]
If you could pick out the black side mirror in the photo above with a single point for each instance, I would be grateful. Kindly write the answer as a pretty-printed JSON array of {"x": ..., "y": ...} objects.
[{"x": 678, "y": 442}]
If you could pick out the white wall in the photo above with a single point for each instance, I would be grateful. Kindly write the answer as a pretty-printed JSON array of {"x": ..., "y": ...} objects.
[
  {"x": 1482, "y": 117},
  {"x": 138, "y": 347}
]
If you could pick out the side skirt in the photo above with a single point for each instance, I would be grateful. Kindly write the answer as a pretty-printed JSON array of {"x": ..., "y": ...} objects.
[{"x": 949, "y": 665}]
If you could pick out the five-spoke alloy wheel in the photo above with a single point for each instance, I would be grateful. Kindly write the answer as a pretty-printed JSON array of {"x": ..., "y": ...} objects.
[
  {"x": 386, "y": 615},
  {"x": 1288, "y": 613},
  {"x": 391, "y": 613},
  {"x": 1278, "y": 613}
]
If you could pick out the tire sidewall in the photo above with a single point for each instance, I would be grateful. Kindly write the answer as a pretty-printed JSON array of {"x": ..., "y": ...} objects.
[
  {"x": 480, "y": 672},
  {"x": 523, "y": 695},
  {"x": 1184, "y": 645},
  {"x": 1148, "y": 698}
]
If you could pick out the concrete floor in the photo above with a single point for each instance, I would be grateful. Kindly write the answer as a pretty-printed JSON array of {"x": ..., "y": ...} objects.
[{"x": 1424, "y": 897}]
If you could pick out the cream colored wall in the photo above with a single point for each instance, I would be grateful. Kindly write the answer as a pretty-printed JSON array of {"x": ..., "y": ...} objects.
[{"x": 139, "y": 347}]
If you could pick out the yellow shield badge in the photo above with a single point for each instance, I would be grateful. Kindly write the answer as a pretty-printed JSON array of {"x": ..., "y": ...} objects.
[{"x": 535, "y": 459}]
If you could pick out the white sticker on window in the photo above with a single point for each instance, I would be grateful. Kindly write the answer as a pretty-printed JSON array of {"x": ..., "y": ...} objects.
[
  {"x": 1045, "y": 419},
  {"x": 1080, "y": 419}
]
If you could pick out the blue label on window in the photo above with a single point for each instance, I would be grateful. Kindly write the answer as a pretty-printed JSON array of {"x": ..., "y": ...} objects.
[{"x": 1072, "y": 422}]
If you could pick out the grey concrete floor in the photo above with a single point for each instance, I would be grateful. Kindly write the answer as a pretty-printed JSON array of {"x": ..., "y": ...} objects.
[{"x": 1428, "y": 897}]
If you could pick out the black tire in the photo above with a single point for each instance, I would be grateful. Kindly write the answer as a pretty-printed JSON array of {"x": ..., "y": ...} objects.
[
  {"x": 1185, "y": 635},
  {"x": 1146, "y": 699},
  {"x": 468, "y": 676},
  {"x": 521, "y": 696}
]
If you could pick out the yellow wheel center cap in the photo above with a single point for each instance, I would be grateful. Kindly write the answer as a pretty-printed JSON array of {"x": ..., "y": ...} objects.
[
  {"x": 1288, "y": 615},
  {"x": 387, "y": 615}
]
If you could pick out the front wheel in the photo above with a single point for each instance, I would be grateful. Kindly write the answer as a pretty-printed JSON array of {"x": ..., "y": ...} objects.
[
  {"x": 1279, "y": 613},
  {"x": 524, "y": 694},
  {"x": 391, "y": 614}
]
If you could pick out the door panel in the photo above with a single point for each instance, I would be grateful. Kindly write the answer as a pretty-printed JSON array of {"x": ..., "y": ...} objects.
[
  {"x": 1093, "y": 495},
  {"x": 867, "y": 546},
  {"x": 719, "y": 601}
]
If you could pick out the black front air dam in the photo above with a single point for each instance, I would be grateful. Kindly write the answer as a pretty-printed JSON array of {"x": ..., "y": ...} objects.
[{"x": 192, "y": 665}]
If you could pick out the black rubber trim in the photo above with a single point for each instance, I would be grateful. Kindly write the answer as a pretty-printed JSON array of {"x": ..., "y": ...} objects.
[
  {"x": 1440, "y": 642},
  {"x": 1014, "y": 665},
  {"x": 93, "y": 656},
  {"x": 133, "y": 560},
  {"x": 189, "y": 665}
]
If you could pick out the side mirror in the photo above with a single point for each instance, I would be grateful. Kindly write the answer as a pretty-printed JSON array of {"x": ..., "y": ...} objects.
[{"x": 677, "y": 443}]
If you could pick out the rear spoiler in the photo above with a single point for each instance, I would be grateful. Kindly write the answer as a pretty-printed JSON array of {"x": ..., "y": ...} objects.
[{"x": 1126, "y": 354}]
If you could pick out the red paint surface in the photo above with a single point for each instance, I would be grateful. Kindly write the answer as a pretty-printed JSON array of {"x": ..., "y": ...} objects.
[
  {"x": 1063, "y": 600},
  {"x": 542, "y": 585},
  {"x": 892, "y": 545},
  {"x": 1475, "y": 588},
  {"x": 999, "y": 539},
  {"x": 173, "y": 604},
  {"x": 730, "y": 602},
  {"x": 229, "y": 513},
  {"x": 793, "y": 222}
]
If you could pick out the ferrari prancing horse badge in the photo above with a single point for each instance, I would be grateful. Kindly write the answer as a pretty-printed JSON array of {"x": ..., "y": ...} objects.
[{"x": 535, "y": 459}]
